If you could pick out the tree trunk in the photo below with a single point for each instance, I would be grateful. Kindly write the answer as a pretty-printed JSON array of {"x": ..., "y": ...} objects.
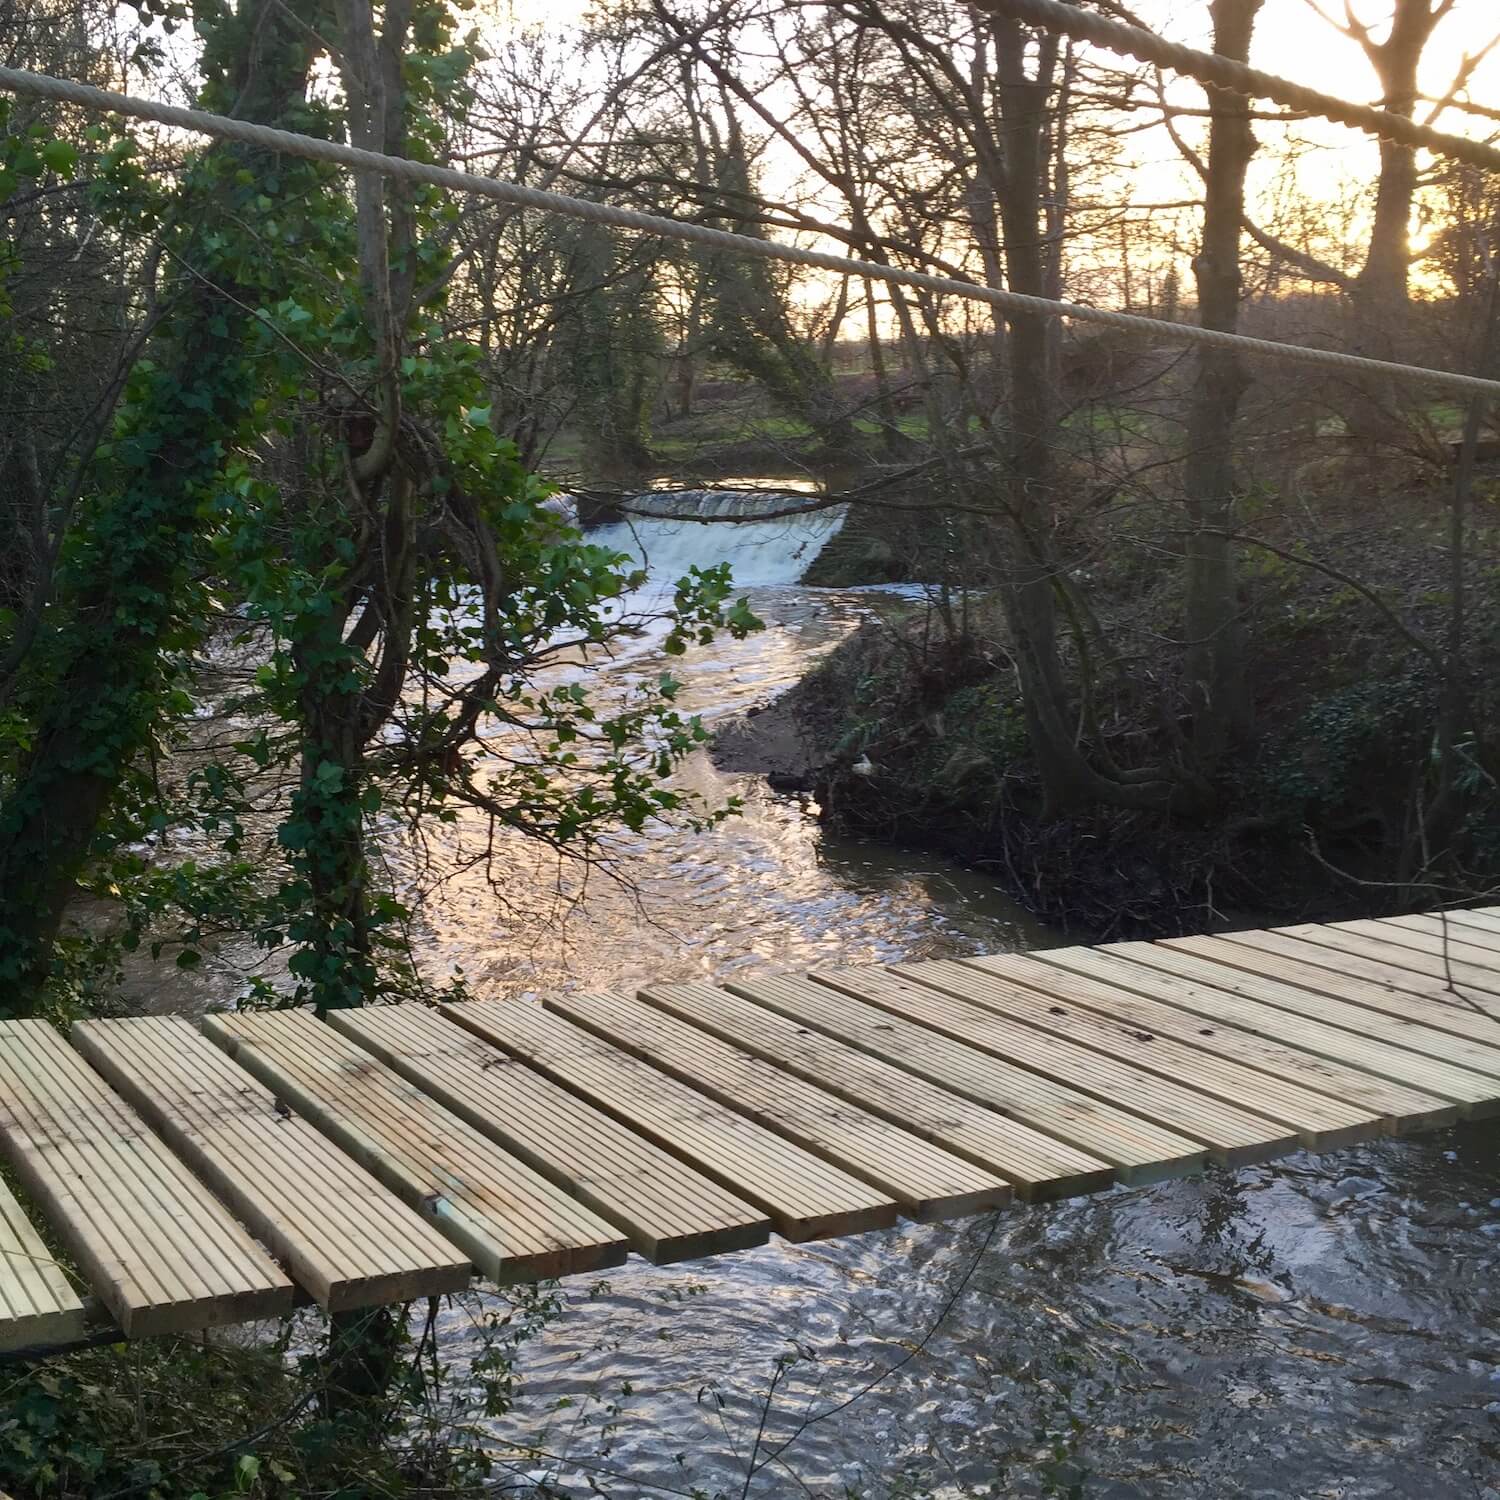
[
  {"x": 123, "y": 597},
  {"x": 1028, "y": 590},
  {"x": 1215, "y": 668},
  {"x": 1383, "y": 280}
]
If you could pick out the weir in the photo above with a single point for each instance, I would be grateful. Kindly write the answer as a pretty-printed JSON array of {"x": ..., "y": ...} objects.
[
  {"x": 669, "y": 532},
  {"x": 194, "y": 1177}
]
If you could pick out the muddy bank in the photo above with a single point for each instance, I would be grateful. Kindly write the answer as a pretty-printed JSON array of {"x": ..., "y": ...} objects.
[
  {"x": 776, "y": 741},
  {"x": 922, "y": 745}
]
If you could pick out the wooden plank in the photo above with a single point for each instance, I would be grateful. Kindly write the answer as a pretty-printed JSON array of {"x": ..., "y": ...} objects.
[
  {"x": 1319, "y": 1122},
  {"x": 1396, "y": 1106},
  {"x": 1333, "y": 948},
  {"x": 1397, "y": 1026},
  {"x": 670, "y": 1212},
  {"x": 1459, "y": 926},
  {"x": 1277, "y": 961},
  {"x": 1426, "y": 935},
  {"x": 1233, "y": 1135},
  {"x": 510, "y": 1221},
  {"x": 1483, "y": 922},
  {"x": 160, "y": 1251},
  {"x": 341, "y": 1234},
  {"x": 805, "y": 1196},
  {"x": 1039, "y": 1165},
  {"x": 37, "y": 1305},
  {"x": 1141, "y": 1151},
  {"x": 1225, "y": 996},
  {"x": 928, "y": 1182}
]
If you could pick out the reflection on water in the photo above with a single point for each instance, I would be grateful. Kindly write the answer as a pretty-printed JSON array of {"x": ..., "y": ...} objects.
[
  {"x": 764, "y": 889},
  {"x": 1323, "y": 1327}
]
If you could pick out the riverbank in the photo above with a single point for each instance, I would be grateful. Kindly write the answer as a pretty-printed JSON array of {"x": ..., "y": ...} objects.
[{"x": 911, "y": 732}]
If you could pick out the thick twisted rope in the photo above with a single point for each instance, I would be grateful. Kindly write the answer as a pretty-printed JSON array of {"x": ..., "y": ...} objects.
[
  {"x": 40, "y": 86},
  {"x": 1239, "y": 78}
]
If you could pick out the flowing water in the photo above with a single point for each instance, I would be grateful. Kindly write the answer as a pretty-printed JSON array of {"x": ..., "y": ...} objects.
[{"x": 1322, "y": 1326}]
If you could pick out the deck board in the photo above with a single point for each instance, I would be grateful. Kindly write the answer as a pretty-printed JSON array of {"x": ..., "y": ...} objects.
[
  {"x": 805, "y": 1196},
  {"x": 1234, "y": 1135},
  {"x": 1397, "y": 1106},
  {"x": 340, "y": 1233},
  {"x": 1381, "y": 963},
  {"x": 1395, "y": 954},
  {"x": 1478, "y": 920},
  {"x": 159, "y": 1250},
  {"x": 1409, "y": 933},
  {"x": 380, "y": 1153},
  {"x": 670, "y": 1212},
  {"x": 511, "y": 1222},
  {"x": 37, "y": 1302},
  {"x": 926, "y": 1181},
  {"x": 1318, "y": 1121},
  {"x": 1139, "y": 1150},
  {"x": 1040, "y": 1166},
  {"x": 1448, "y": 1030},
  {"x": 1475, "y": 936},
  {"x": 1217, "y": 996}
]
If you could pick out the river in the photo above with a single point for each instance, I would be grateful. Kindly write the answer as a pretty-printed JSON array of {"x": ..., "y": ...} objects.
[{"x": 1321, "y": 1326}]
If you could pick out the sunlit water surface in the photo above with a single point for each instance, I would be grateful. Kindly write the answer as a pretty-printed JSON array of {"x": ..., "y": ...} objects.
[{"x": 1322, "y": 1327}]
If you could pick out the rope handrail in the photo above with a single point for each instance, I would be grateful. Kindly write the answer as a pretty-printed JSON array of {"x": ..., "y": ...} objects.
[
  {"x": 290, "y": 143},
  {"x": 1240, "y": 78}
]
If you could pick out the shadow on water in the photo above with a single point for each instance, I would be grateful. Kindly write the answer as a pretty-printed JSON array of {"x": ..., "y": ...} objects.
[{"x": 1317, "y": 1327}]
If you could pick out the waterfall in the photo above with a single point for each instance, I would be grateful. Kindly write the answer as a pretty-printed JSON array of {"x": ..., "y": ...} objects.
[{"x": 762, "y": 554}]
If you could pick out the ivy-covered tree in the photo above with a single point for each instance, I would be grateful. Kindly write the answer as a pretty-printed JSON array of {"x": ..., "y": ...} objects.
[{"x": 305, "y": 472}]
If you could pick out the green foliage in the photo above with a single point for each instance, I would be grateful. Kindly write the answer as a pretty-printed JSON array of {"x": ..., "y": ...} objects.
[
  {"x": 179, "y": 1419},
  {"x": 252, "y": 404},
  {"x": 1344, "y": 749}
]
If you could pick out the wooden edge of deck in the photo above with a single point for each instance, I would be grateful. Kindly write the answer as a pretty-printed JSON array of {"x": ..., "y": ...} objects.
[
  {"x": 1190, "y": 1163},
  {"x": 38, "y": 1305},
  {"x": 1030, "y": 1189},
  {"x": 1236, "y": 1080},
  {"x": 660, "y": 1248},
  {"x": 464, "y": 1230},
  {"x": 90, "y": 1238},
  {"x": 332, "y": 1293},
  {"x": 926, "y": 1208},
  {"x": 792, "y": 1226},
  {"x": 1395, "y": 1064},
  {"x": 971, "y": 1023},
  {"x": 1346, "y": 1084}
]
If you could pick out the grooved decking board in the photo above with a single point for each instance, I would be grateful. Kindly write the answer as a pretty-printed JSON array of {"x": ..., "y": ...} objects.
[
  {"x": 1229, "y": 1004},
  {"x": 670, "y": 1212},
  {"x": 341, "y": 1234},
  {"x": 1234, "y": 1135},
  {"x": 1482, "y": 943},
  {"x": 1483, "y": 922},
  {"x": 160, "y": 1251},
  {"x": 510, "y": 1221},
  {"x": 1438, "y": 1031},
  {"x": 1039, "y": 1165},
  {"x": 805, "y": 1196},
  {"x": 1397, "y": 1106},
  {"x": 37, "y": 1305},
  {"x": 1410, "y": 934},
  {"x": 1320, "y": 1122},
  {"x": 1368, "y": 957},
  {"x": 1475, "y": 1017},
  {"x": 1140, "y": 1150},
  {"x": 928, "y": 1182}
]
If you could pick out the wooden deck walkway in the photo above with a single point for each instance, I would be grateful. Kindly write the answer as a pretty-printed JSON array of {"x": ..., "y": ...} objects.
[{"x": 187, "y": 1177}]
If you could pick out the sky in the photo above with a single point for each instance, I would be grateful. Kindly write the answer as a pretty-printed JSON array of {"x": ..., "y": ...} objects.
[{"x": 1291, "y": 39}]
